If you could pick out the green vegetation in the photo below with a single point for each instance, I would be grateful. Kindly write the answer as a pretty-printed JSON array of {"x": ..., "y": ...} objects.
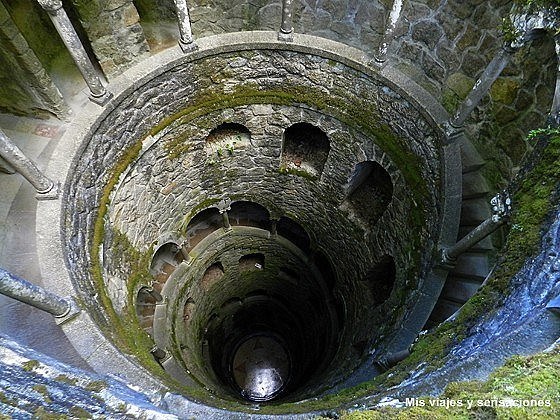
[
  {"x": 531, "y": 383},
  {"x": 284, "y": 170},
  {"x": 66, "y": 380},
  {"x": 96, "y": 386},
  {"x": 30, "y": 365},
  {"x": 4, "y": 399},
  {"x": 42, "y": 389},
  {"x": 79, "y": 413},
  {"x": 43, "y": 414}
]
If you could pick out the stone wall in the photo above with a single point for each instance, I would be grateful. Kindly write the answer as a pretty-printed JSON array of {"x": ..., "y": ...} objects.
[
  {"x": 25, "y": 86},
  {"x": 148, "y": 158},
  {"x": 116, "y": 37},
  {"x": 442, "y": 45}
]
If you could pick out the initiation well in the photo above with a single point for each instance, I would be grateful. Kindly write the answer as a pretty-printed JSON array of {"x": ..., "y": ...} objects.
[{"x": 253, "y": 221}]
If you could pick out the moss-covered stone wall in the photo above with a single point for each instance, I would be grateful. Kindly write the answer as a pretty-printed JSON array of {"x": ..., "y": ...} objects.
[{"x": 154, "y": 172}]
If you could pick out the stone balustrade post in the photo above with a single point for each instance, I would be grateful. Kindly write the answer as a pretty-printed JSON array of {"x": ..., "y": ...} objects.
[
  {"x": 223, "y": 206},
  {"x": 46, "y": 188},
  {"x": 555, "y": 108},
  {"x": 63, "y": 25},
  {"x": 394, "y": 15},
  {"x": 501, "y": 209},
  {"x": 286, "y": 32},
  {"x": 481, "y": 87},
  {"x": 36, "y": 296},
  {"x": 186, "y": 40}
]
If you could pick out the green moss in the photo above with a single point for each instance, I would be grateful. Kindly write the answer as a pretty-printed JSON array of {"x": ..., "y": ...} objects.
[
  {"x": 38, "y": 31},
  {"x": 43, "y": 414},
  {"x": 66, "y": 380},
  {"x": 533, "y": 380},
  {"x": 298, "y": 172},
  {"x": 4, "y": 399},
  {"x": 457, "y": 87},
  {"x": 504, "y": 90},
  {"x": 42, "y": 389},
  {"x": 88, "y": 10},
  {"x": 96, "y": 386},
  {"x": 30, "y": 365},
  {"x": 79, "y": 413}
]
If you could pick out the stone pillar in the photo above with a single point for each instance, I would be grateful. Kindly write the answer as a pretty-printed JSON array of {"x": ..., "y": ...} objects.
[
  {"x": 381, "y": 55},
  {"x": 501, "y": 209},
  {"x": 273, "y": 227},
  {"x": 388, "y": 361},
  {"x": 46, "y": 188},
  {"x": 223, "y": 206},
  {"x": 186, "y": 42},
  {"x": 481, "y": 87},
  {"x": 184, "y": 253},
  {"x": 286, "y": 32},
  {"x": 98, "y": 93},
  {"x": 555, "y": 109},
  {"x": 34, "y": 295}
]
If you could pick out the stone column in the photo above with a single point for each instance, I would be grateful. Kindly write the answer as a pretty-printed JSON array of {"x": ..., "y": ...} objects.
[
  {"x": 186, "y": 42},
  {"x": 184, "y": 253},
  {"x": 46, "y": 188},
  {"x": 286, "y": 32},
  {"x": 98, "y": 93},
  {"x": 501, "y": 209},
  {"x": 34, "y": 295},
  {"x": 381, "y": 55},
  {"x": 481, "y": 87},
  {"x": 223, "y": 206},
  {"x": 555, "y": 109},
  {"x": 274, "y": 227}
]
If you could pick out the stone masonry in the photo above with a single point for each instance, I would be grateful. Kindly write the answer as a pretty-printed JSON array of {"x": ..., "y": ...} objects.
[
  {"x": 116, "y": 36},
  {"x": 25, "y": 86}
]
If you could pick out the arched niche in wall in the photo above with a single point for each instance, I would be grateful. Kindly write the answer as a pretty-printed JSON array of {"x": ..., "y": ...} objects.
[
  {"x": 201, "y": 225},
  {"x": 381, "y": 279},
  {"x": 212, "y": 275},
  {"x": 247, "y": 213},
  {"x": 226, "y": 138},
  {"x": 164, "y": 262},
  {"x": 146, "y": 301},
  {"x": 369, "y": 191},
  {"x": 305, "y": 149},
  {"x": 293, "y": 231}
]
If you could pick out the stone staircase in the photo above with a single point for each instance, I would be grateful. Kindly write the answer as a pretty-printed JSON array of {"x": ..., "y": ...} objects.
[{"x": 473, "y": 266}]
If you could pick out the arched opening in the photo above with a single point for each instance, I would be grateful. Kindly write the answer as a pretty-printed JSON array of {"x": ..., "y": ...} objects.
[
  {"x": 292, "y": 231},
  {"x": 223, "y": 141},
  {"x": 246, "y": 213},
  {"x": 369, "y": 191},
  {"x": 305, "y": 149},
  {"x": 164, "y": 262},
  {"x": 201, "y": 225},
  {"x": 212, "y": 275},
  {"x": 146, "y": 301},
  {"x": 381, "y": 279}
]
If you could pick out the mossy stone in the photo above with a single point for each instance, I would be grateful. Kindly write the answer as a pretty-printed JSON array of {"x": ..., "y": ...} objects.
[{"x": 504, "y": 90}]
